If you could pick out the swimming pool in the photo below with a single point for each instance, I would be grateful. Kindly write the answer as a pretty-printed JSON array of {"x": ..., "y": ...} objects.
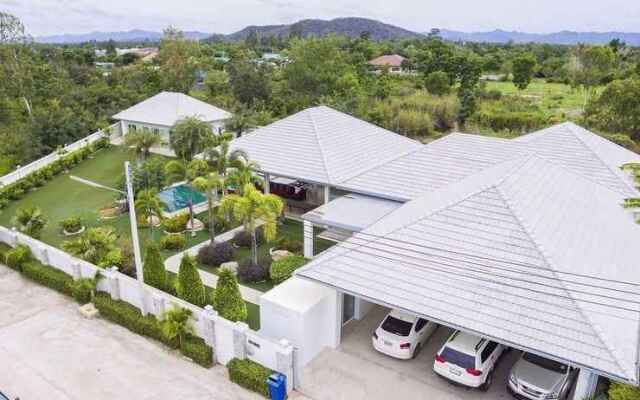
[{"x": 177, "y": 197}]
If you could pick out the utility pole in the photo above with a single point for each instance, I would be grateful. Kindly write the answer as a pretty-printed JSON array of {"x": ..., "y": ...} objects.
[{"x": 134, "y": 226}]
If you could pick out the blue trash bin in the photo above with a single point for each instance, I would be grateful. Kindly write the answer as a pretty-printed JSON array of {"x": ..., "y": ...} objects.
[{"x": 277, "y": 383}]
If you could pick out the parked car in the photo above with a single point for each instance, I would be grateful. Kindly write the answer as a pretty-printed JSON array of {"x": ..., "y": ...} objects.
[
  {"x": 402, "y": 335},
  {"x": 468, "y": 360},
  {"x": 538, "y": 378}
]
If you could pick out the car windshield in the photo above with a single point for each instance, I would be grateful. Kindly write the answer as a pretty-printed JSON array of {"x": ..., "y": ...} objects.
[
  {"x": 397, "y": 326},
  {"x": 545, "y": 363},
  {"x": 460, "y": 359}
]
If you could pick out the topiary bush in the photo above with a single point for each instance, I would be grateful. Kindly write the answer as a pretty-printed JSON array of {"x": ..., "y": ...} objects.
[
  {"x": 214, "y": 255},
  {"x": 17, "y": 257},
  {"x": 227, "y": 300},
  {"x": 243, "y": 239},
  {"x": 153, "y": 268},
  {"x": 173, "y": 241},
  {"x": 189, "y": 285},
  {"x": 71, "y": 224},
  {"x": 248, "y": 271},
  {"x": 250, "y": 375},
  {"x": 176, "y": 224},
  {"x": 282, "y": 269},
  {"x": 196, "y": 349}
]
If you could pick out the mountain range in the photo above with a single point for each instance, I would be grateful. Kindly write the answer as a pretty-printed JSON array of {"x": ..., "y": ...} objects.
[{"x": 354, "y": 27}]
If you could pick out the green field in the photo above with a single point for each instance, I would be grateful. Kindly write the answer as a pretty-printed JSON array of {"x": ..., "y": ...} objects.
[{"x": 556, "y": 99}]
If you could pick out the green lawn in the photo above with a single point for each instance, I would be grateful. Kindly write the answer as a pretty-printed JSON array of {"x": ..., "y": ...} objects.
[
  {"x": 64, "y": 197},
  {"x": 289, "y": 229},
  {"x": 553, "y": 98}
]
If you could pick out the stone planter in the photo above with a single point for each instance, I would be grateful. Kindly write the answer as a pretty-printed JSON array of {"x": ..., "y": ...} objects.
[
  {"x": 64, "y": 232},
  {"x": 278, "y": 254}
]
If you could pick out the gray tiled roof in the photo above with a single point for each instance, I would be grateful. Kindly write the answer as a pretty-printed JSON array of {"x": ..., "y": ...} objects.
[
  {"x": 167, "y": 108},
  {"x": 322, "y": 145},
  {"x": 507, "y": 253}
]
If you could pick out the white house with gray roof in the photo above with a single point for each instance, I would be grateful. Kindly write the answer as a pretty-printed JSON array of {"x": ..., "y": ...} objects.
[
  {"x": 160, "y": 112},
  {"x": 522, "y": 241}
]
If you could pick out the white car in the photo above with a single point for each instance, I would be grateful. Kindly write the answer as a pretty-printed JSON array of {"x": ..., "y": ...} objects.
[
  {"x": 468, "y": 360},
  {"x": 402, "y": 335}
]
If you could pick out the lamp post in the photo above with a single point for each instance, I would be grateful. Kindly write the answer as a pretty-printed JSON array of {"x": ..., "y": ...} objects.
[{"x": 134, "y": 226}]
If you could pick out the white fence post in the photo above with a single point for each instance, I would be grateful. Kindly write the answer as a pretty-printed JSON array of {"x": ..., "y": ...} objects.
[
  {"x": 284, "y": 361},
  {"x": 209, "y": 318},
  {"x": 240, "y": 340},
  {"x": 159, "y": 305},
  {"x": 14, "y": 237},
  {"x": 44, "y": 255},
  {"x": 76, "y": 271},
  {"x": 113, "y": 283}
]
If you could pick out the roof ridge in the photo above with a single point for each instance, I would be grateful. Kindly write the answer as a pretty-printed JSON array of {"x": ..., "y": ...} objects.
[
  {"x": 588, "y": 146},
  {"x": 320, "y": 146},
  {"x": 547, "y": 261}
]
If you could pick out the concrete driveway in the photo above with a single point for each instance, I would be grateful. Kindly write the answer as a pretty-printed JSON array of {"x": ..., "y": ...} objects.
[
  {"x": 356, "y": 371},
  {"x": 48, "y": 351}
]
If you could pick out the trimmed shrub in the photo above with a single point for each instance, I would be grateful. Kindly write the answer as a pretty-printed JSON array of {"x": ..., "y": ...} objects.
[
  {"x": 214, "y": 255},
  {"x": 174, "y": 241},
  {"x": 620, "y": 391},
  {"x": 243, "y": 238},
  {"x": 282, "y": 269},
  {"x": 82, "y": 289},
  {"x": 227, "y": 300},
  {"x": 153, "y": 268},
  {"x": 196, "y": 349},
  {"x": 189, "y": 285},
  {"x": 128, "y": 316},
  {"x": 49, "y": 276},
  {"x": 248, "y": 271},
  {"x": 17, "y": 257},
  {"x": 250, "y": 375},
  {"x": 176, "y": 224},
  {"x": 71, "y": 224},
  {"x": 294, "y": 246}
]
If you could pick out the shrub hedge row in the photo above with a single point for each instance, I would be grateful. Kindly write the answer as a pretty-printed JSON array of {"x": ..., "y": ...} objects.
[
  {"x": 18, "y": 189},
  {"x": 282, "y": 269},
  {"x": 196, "y": 349},
  {"x": 250, "y": 375},
  {"x": 48, "y": 276}
]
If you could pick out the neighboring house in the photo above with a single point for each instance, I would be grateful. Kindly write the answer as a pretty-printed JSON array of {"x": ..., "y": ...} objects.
[
  {"x": 392, "y": 63},
  {"x": 160, "y": 112},
  {"x": 139, "y": 51},
  {"x": 522, "y": 241}
]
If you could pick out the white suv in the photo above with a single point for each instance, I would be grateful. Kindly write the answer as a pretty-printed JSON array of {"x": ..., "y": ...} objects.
[
  {"x": 402, "y": 335},
  {"x": 468, "y": 360}
]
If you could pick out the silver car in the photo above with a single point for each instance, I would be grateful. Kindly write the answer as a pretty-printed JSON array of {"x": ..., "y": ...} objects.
[{"x": 538, "y": 378}]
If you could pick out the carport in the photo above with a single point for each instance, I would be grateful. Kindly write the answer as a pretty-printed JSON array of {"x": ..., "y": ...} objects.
[{"x": 498, "y": 255}]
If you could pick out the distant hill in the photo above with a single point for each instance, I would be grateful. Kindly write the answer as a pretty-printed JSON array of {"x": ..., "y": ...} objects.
[
  {"x": 562, "y": 37},
  {"x": 352, "y": 27},
  {"x": 135, "y": 35}
]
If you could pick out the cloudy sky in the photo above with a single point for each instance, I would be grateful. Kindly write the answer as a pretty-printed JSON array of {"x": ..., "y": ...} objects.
[{"x": 43, "y": 17}]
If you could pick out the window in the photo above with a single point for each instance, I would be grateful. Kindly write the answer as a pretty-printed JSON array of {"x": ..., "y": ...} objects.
[
  {"x": 545, "y": 363},
  {"x": 420, "y": 324},
  {"x": 462, "y": 360},
  {"x": 396, "y": 326},
  {"x": 156, "y": 131},
  {"x": 132, "y": 127},
  {"x": 488, "y": 350}
]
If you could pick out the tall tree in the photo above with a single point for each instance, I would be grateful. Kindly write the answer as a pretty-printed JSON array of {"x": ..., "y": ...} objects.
[
  {"x": 178, "y": 61},
  {"x": 210, "y": 184},
  {"x": 189, "y": 136},
  {"x": 589, "y": 68},
  {"x": 142, "y": 141},
  {"x": 148, "y": 205},
  {"x": 16, "y": 66},
  {"x": 523, "y": 69}
]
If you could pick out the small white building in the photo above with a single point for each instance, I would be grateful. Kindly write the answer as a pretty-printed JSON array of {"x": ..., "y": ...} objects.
[{"x": 160, "y": 113}]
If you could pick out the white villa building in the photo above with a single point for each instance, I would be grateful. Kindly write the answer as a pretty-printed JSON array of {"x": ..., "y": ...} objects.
[
  {"x": 521, "y": 241},
  {"x": 160, "y": 112}
]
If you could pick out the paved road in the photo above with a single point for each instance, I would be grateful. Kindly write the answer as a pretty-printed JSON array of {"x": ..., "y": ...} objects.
[{"x": 48, "y": 351}]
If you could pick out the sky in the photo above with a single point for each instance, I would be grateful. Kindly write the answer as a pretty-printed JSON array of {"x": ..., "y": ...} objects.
[{"x": 46, "y": 17}]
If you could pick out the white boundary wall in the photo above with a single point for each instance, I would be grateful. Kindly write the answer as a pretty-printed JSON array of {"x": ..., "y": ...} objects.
[
  {"x": 46, "y": 160},
  {"x": 228, "y": 339}
]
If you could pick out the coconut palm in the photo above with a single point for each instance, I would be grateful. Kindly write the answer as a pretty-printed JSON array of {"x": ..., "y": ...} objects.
[
  {"x": 243, "y": 174},
  {"x": 189, "y": 136},
  {"x": 210, "y": 184},
  {"x": 253, "y": 206},
  {"x": 222, "y": 159},
  {"x": 149, "y": 205},
  {"x": 176, "y": 324},
  {"x": 30, "y": 221},
  {"x": 142, "y": 141}
]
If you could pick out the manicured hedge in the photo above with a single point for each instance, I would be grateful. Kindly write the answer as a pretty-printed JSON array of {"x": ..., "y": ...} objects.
[
  {"x": 249, "y": 375},
  {"x": 282, "y": 269},
  {"x": 48, "y": 276},
  {"x": 130, "y": 317},
  {"x": 15, "y": 258},
  {"x": 196, "y": 349}
]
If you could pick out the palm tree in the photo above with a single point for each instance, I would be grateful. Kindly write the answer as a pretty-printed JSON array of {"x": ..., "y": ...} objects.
[
  {"x": 222, "y": 159},
  {"x": 210, "y": 184},
  {"x": 176, "y": 324},
  {"x": 30, "y": 221},
  {"x": 243, "y": 174},
  {"x": 189, "y": 136},
  {"x": 253, "y": 206},
  {"x": 142, "y": 141},
  {"x": 182, "y": 171},
  {"x": 93, "y": 245},
  {"x": 148, "y": 205}
]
